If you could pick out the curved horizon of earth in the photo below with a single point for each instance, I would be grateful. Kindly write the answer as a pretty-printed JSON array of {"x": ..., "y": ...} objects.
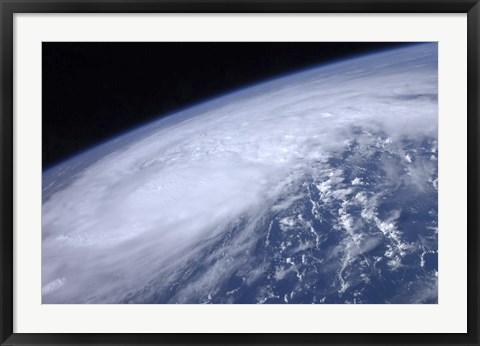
[{"x": 317, "y": 187}]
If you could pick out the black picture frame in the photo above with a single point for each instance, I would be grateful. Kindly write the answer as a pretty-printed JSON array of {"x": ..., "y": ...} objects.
[{"x": 9, "y": 7}]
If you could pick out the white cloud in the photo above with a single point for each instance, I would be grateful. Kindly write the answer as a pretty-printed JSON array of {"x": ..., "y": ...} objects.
[{"x": 357, "y": 181}]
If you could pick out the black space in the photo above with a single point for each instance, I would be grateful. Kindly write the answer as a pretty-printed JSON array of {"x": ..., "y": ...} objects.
[{"x": 93, "y": 91}]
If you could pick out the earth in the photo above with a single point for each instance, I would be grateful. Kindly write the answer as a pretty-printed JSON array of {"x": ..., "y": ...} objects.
[{"x": 320, "y": 186}]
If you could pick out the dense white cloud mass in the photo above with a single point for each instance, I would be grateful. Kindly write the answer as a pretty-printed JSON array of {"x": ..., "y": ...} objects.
[{"x": 298, "y": 187}]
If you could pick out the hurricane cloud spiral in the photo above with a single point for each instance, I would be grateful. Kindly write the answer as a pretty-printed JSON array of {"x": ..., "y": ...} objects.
[{"x": 317, "y": 187}]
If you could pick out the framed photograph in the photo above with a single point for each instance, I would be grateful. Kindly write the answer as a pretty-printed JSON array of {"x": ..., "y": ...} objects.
[{"x": 282, "y": 172}]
